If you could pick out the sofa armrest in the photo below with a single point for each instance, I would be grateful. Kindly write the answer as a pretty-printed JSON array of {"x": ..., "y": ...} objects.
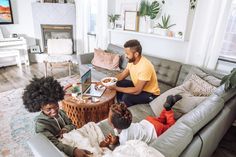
[
  {"x": 42, "y": 147},
  {"x": 86, "y": 58}
]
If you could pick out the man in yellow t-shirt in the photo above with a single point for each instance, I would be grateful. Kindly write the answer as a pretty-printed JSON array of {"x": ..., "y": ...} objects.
[{"x": 143, "y": 86}]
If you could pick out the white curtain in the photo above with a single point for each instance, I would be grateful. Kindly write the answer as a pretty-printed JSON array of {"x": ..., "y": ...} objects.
[
  {"x": 102, "y": 24},
  {"x": 219, "y": 22},
  {"x": 81, "y": 26}
]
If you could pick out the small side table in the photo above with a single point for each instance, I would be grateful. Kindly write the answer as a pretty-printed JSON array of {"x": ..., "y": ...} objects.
[{"x": 81, "y": 112}]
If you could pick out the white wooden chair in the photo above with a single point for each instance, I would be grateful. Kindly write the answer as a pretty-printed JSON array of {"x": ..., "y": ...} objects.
[{"x": 59, "y": 54}]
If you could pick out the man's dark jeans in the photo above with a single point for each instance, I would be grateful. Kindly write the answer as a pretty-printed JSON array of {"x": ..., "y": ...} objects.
[{"x": 131, "y": 99}]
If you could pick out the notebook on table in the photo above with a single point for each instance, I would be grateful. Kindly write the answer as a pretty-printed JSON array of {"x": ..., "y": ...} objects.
[{"x": 88, "y": 88}]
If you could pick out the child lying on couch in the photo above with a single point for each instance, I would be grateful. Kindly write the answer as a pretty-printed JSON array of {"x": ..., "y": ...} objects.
[
  {"x": 43, "y": 94},
  {"x": 147, "y": 130}
]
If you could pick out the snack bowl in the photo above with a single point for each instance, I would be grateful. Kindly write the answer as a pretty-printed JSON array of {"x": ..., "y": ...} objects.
[{"x": 109, "y": 81}]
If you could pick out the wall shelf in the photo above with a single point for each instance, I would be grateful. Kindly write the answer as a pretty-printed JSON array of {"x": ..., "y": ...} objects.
[{"x": 143, "y": 34}]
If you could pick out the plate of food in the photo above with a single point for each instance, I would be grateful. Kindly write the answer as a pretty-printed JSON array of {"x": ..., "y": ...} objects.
[{"x": 109, "y": 81}]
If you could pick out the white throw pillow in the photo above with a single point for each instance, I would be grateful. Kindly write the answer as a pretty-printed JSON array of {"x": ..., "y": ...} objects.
[{"x": 193, "y": 91}]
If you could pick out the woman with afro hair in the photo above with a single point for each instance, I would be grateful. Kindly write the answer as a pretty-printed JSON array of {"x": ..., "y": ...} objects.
[{"x": 43, "y": 94}]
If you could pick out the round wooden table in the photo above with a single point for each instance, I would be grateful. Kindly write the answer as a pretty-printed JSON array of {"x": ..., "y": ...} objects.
[{"x": 84, "y": 111}]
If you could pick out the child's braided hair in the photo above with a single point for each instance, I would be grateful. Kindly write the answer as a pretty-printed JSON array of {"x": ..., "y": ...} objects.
[{"x": 121, "y": 117}]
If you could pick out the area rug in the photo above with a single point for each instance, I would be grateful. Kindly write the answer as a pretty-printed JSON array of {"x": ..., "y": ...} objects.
[{"x": 17, "y": 124}]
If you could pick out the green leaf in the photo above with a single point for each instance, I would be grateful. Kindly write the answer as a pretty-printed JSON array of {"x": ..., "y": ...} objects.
[
  {"x": 233, "y": 79},
  {"x": 224, "y": 79},
  {"x": 154, "y": 9},
  {"x": 229, "y": 80},
  {"x": 147, "y": 9},
  {"x": 227, "y": 85}
]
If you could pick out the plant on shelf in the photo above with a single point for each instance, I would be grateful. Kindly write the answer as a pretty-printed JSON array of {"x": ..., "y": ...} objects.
[
  {"x": 113, "y": 18},
  {"x": 149, "y": 10},
  {"x": 165, "y": 22},
  {"x": 229, "y": 80}
]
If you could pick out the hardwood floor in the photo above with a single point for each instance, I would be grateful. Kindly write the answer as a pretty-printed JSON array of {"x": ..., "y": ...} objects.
[{"x": 13, "y": 77}]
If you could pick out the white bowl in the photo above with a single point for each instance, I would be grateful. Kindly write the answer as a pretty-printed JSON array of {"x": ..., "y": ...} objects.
[{"x": 109, "y": 81}]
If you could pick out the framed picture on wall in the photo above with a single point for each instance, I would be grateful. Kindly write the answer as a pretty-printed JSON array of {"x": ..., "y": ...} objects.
[
  {"x": 119, "y": 25},
  {"x": 131, "y": 21},
  {"x": 6, "y": 14}
]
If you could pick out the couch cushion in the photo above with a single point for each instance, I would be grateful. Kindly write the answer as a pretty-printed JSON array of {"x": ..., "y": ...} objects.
[
  {"x": 164, "y": 87},
  {"x": 203, "y": 113},
  {"x": 106, "y": 60},
  {"x": 172, "y": 142},
  {"x": 140, "y": 112},
  {"x": 120, "y": 51},
  {"x": 226, "y": 96},
  {"x": 167, "y": 71},
  {"x": 209, "y": 76},
  {"x": 198, "y": 87}
]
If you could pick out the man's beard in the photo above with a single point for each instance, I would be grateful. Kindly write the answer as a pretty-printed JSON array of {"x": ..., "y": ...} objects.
[{"x": 131, "y": 60}]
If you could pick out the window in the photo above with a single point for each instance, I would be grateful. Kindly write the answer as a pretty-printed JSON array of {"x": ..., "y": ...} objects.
[
  {"x": 92, "y": 25},
  {"x": 228, "y": 50}
]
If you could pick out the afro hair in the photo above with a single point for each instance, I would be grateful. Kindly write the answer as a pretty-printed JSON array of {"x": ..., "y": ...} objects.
[
  {"x": 40, "y": 92},
  {"x": 121, "y": 117}
]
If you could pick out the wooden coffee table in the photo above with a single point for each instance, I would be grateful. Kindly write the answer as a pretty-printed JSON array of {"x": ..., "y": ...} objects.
[{"x": 84, "y": 111}]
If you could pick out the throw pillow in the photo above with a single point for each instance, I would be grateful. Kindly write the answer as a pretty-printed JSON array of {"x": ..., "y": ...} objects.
[
  {"x": 203, "y": 75},
  {"x": 106, "y": 60},
  {"x": 193, "y": 91},
  {"x": 157, "y": 103},
  {"x": 198, "y": 87}
]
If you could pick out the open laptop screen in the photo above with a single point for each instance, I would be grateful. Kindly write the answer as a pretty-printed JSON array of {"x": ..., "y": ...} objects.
[{"x": 86, "y": 79}]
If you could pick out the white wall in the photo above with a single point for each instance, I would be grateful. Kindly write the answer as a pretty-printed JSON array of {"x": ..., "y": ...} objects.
[
  {"x": 193, "y": 51},
  {"x": 52, "y": 14},
  {"x": 23, "y": 21},
  {"x": 155, "y": 46}
]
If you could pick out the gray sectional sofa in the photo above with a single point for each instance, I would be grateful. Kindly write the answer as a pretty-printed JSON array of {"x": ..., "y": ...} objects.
[{"x": 195, "y": 134}]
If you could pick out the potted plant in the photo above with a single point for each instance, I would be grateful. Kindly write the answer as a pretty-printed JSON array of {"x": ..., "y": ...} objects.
[
  {"x": 149, "y": 11},
  {"x": 112, "y": 19},
  {"x": 229, "y": 80},
  {"x": 164, "y": 25},
  {"x": 75, "y": 90}
]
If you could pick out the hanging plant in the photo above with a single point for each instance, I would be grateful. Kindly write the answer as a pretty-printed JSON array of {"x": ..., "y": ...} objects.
[{"x": 229, "y": 80}]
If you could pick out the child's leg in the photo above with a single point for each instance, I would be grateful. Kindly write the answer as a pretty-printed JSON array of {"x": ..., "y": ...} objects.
[
  {"x": 160, "y": 127},
  {"x": 162, "y": 117},
  {"x": 170, "y": 120}
]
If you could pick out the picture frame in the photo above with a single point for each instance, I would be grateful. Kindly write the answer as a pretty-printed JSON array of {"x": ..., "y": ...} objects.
[
  {"x": 131, "y": 22},
  {"x": 119, "y": 25},
  {"x": 6, "y": 12}
]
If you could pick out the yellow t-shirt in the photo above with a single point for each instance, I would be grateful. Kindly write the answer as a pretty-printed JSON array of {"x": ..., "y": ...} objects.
[{"x": 144, "y": 71}]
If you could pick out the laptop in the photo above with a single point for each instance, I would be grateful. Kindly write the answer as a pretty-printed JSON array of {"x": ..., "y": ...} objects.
[{"x": 88, "y": 88}]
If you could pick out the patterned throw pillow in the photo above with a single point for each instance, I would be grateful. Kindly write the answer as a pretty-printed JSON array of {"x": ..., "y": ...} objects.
[
  {"x": 106, "y": 60},
  {"x": 194, "y": 91},
  {"x": 198, "y": 87},
  {"x": 206, "y": 76}
]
